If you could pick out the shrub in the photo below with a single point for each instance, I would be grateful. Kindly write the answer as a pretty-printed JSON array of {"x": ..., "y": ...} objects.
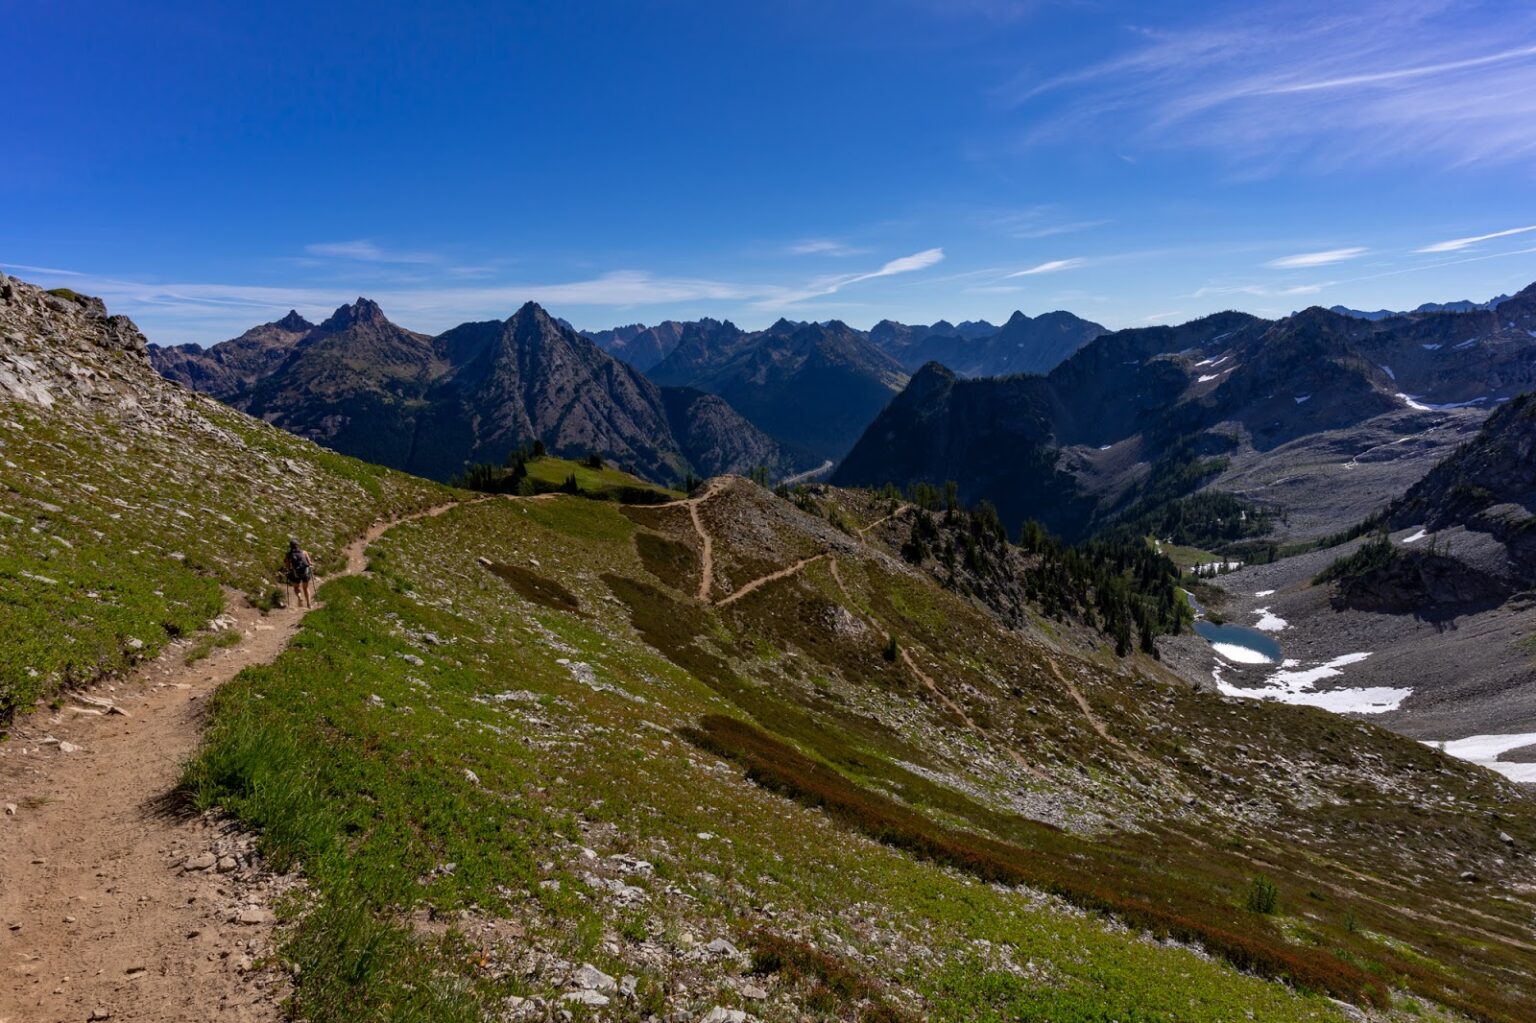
[{"x": 1263, "y": 896}]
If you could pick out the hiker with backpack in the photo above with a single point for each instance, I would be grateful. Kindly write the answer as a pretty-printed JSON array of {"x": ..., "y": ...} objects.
[{"x": 299, "y": 570}]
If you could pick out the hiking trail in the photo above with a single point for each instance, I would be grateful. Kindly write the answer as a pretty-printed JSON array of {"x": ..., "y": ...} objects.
[{"x": 113, "y": 904}]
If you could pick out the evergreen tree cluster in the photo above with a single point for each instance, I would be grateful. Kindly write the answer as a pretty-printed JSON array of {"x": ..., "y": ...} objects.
[{"x": 1116, "y": 584}]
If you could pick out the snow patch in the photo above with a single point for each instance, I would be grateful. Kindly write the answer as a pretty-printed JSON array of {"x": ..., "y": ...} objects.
[
  {"x": 1292, "y": 684},
  {"x": 1415, "y": 538},
  {"x": 1388, "y": 371},
  {"x": 1303, "y": 398},
  {"x": 1265, "y": 593},
  {"x": 1269, "y": 621},
  {"x": 1424, "y": 406},
  {"x": 1430, "y": 348},
  {"x": 1486, "y": 750},
  {"x": 1240, "y": 654},
  {"x": 1466, "y": 344},
  {"x": 1207, "y": 378}
]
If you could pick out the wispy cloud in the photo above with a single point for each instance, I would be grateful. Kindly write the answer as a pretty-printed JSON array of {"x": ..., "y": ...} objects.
[
  {"x": 831, "y": 285},
  {"x": 1303, "y": 82},
  {"x": 1259, "y": 290},
  {"x": 211, "y": 311},
  {"x": 1050, "y": 267},
  {"x": 1306, "y": 259},
  {"x": 1052, "y": 230},
  {"x": 824, "y": 247},
  {"x": 366, "y": 251},
  {"x": 1457, "y": 244}
]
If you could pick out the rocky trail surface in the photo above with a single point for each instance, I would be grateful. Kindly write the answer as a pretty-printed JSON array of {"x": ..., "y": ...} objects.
[{"x": 114, "y": 902}]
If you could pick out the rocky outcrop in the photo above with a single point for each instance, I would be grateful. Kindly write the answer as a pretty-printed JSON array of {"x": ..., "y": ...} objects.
[
  {"x": 61, "y": 346},
  {"x": 717, "y": 439},
  {"x": 638, "y": 345}
]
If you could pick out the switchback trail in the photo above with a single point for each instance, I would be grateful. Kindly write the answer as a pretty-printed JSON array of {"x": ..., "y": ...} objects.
[
  {"x": 706, "y": 544},
  {"x": 114, "y": 905}
]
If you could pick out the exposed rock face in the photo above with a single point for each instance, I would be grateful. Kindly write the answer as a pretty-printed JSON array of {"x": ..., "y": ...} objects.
[
  {"x": 367, "y": 387},
  {"x": 1488, "y": 490},
  {"x": 1230, "y": 387},
  {"x": 57, "y": 346},
  {"x": 232, "y": 366},
  {"x": 353, "y": 384},
  {"x": 1421, "y": 581}
]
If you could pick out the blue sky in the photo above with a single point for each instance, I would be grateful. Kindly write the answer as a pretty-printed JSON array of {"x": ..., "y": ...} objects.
[{"x": 207, "y": 166}]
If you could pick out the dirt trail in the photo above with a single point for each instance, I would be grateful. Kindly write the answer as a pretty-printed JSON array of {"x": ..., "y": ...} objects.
[
  {"x": 770, "y": 577},
  {"x": 1095, "y": 723},
  {"x": 98, "y": 914},
  {"x": 864, "y": 530},
  {"x": 1013, "y": 754},
  {"x": 706, "y": 544}
]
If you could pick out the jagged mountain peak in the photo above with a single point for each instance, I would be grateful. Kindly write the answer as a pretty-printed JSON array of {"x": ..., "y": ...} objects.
[
  {"x": 293, "y": 322},
  {"x": 364, "y": 311}
]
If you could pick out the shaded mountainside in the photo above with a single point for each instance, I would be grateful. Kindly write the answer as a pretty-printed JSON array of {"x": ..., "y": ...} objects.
[
  {"x": 813, "y": 387},
  {"x": 721, "y": 753},
  {"x": 1155, "y": 413},
  {"x": 364, "y": 386}
]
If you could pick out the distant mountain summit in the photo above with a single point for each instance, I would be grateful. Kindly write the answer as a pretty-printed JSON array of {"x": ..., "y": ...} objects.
[
  {"x": 1463, "y": 306},
  {"x": 638, "y": 345},
  {"x": 812, "y": 386},
  {"x": 365, "y": 386},
  {"x": 228, "y": 368},
  {"x": 1022, "y": 345}
]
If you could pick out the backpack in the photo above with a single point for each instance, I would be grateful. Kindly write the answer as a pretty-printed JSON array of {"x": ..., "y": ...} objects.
[{"x": 299, "y": 564}]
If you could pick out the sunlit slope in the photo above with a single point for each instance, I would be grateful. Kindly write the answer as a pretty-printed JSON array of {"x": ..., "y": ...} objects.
[
  {"x": 127, "y": 503},
  {"x": 559, "y": 731}
]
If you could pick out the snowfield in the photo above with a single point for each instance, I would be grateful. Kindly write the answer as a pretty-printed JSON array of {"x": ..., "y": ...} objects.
[
  {"x": 1486, "y": 750},
  {"x": 1290, "y": 685}
]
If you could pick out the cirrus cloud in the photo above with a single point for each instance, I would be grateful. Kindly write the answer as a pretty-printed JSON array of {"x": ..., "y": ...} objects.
[{"x": 1324, "y": 258}]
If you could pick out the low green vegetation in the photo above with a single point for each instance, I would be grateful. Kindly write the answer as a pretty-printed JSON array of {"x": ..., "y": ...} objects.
[
  {"x": 115, "y": 539},
  {"x": 468, "y": 762},
  {"x": 528, "y": 472}
]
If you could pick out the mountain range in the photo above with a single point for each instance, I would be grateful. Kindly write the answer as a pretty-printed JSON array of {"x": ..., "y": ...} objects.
[
  {"x": 1285, "y": 413},
  {"x": 972, "y": 348},
  {"x": 365, "y": 386},
  {"x": 1462, "y": 306}
]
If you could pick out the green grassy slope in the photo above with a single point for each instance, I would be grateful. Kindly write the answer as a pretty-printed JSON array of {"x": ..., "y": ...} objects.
[
  {"x": 127, "y": 507},
  {"x": 471, "y": 761}
]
